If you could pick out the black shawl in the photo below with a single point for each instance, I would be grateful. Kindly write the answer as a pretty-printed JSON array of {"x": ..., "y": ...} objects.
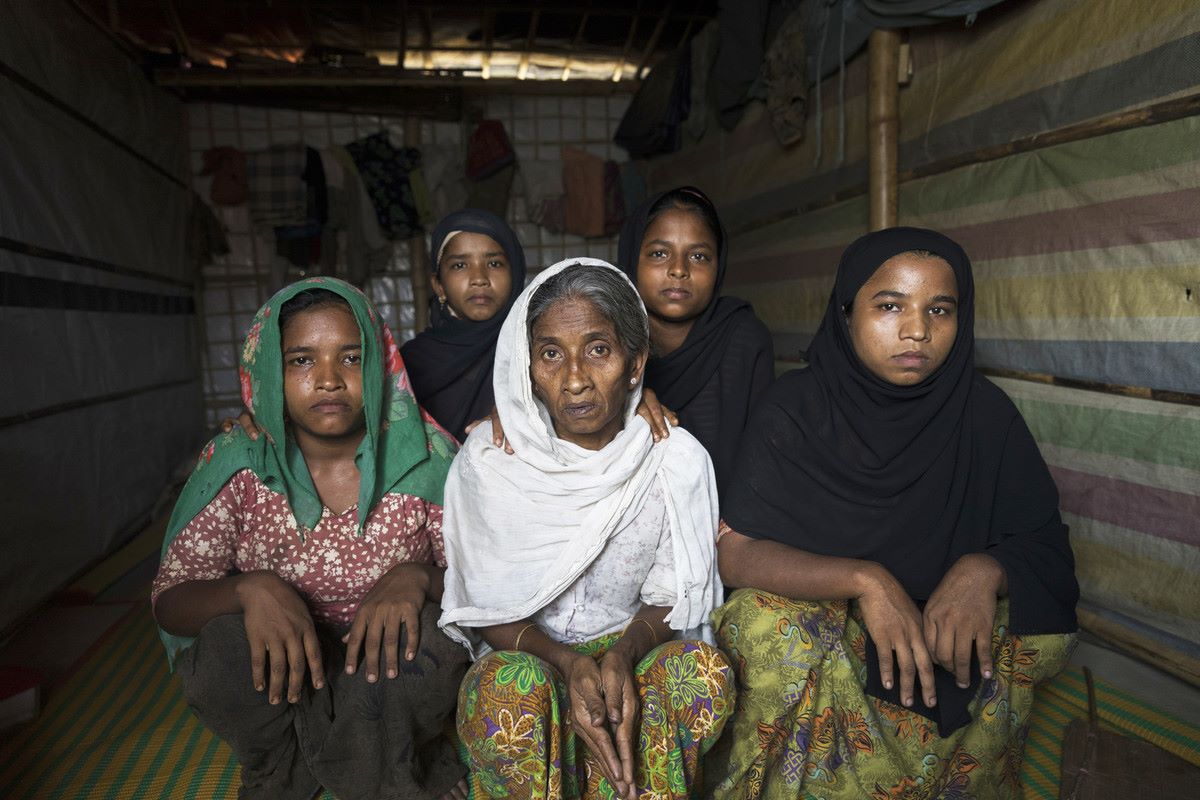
[
  {"x": 723, "y": 366},
  {"x": 840, "y": 462},
  {"x": 450, "y": 363}
]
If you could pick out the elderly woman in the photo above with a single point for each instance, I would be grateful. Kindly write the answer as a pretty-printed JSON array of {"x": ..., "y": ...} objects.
[
  {"x": 912, "y": 576},
  {"x": 582, "y": 568}
]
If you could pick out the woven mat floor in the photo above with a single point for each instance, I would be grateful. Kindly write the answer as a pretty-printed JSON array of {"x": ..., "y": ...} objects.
[{"x": 118, "y": 729}]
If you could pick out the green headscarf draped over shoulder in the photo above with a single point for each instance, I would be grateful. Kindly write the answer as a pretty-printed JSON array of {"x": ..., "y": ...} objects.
[{"x": 403, "y": 450}]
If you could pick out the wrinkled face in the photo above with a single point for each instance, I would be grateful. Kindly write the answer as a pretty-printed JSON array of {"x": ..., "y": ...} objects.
[
  {"x": 473, "y": 276},
  {"x": 322, "y": 373},
  {"x": 904, "y": 319},
  {"x": 581, "y": 373},
  {"x": 677, "y": 266}
]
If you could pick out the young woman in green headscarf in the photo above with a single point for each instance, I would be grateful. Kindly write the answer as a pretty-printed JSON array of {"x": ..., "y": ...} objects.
[{"x": 294, "y": 558}]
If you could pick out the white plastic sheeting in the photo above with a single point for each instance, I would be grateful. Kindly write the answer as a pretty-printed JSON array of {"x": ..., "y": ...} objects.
[{"x": 101, "y": 398}]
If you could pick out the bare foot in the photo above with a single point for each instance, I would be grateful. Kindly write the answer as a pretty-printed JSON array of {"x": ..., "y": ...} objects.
[{"x": 459, "y": 792}]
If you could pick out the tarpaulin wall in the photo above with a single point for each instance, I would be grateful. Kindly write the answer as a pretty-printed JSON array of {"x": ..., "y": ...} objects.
[
  {"x": 100, "y": 395},
  {"x": 1058, "y": 142}
]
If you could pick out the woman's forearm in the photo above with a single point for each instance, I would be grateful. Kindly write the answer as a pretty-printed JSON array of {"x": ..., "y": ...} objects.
[
  {"x": 526, "y": 636},
  {"x": 186, "y": 607},
  {"x": 644, "y": 632},
  {"x": 778, "y": 568}
]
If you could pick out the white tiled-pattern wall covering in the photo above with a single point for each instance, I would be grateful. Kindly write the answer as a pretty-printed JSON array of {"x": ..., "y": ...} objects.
[
  {"x": 235, "y": 285},
  {"x": 539, "y": 128}
]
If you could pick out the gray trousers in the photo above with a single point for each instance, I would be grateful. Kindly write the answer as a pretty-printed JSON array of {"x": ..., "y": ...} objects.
[{"x": 356, "y": 739}]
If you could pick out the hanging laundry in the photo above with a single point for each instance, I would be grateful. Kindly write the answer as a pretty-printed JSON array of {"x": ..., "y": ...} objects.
[
  {"x": 653, "y": 122},
  {"x": 786, "y": 80},
  {"x": 385, "y": 173},
  {"x": 277, "y": 194},
  {"x": 583, "y": 179},
  {"x": 227, "y": 165},
  {"x": 704, "y": 54},
  {"x": 492, "y": 193},
  {"x": 206, "y": 234},
  {"x": 744, "y": 30},
  {"x": 446, "y": 177},
  {"x": 367, "y": 251},
  {"x": 489, "y": 150},
  {"x": 614, "y": 198},
  {"x": 633, "y": 185},
  {"x": 301, "y": 244},
  {"x": 542, "y": 181}
]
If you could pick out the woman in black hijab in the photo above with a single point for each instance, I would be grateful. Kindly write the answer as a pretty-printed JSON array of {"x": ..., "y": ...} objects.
[
  {"x": 890, "y": 508},
  {"x": 478, "y": 271},
  {"x": 711, "y": 357}
]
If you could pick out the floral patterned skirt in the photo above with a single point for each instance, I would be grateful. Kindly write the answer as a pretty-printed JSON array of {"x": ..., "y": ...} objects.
[
  {"x": 512, "y": 720},
  {"x": 805, "y": 728}
]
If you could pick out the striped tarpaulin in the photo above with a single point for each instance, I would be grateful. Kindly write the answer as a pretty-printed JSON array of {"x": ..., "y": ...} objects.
[{"x": 1086, "y": 256}]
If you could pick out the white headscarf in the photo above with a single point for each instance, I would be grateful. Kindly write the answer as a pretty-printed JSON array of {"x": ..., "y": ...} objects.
[{"x": 520, "y": 529}]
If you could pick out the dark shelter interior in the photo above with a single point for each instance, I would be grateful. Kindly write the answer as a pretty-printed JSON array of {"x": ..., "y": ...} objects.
[{"x": 166, "y": 166}]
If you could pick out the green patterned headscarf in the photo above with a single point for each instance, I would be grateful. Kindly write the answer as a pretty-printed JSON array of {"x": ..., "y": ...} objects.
[{"x": 403, "y": 450}]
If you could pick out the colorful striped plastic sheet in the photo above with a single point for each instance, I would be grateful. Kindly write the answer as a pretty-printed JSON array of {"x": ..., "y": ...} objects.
[{"x": 1086, "y": 255}]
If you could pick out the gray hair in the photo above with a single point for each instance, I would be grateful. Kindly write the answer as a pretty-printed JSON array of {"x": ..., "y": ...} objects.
[{"x": 606, "y": 289}]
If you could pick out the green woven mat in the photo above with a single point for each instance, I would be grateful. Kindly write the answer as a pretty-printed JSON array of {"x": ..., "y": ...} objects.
[{"x": 118, "y": 729}]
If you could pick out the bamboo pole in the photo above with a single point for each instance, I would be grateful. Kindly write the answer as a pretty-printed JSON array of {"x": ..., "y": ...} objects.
[
  {"x": 882, "y": 127},
  {"x": 418, "y": 258}
]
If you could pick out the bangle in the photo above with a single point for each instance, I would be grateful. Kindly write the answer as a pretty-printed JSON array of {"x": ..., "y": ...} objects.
[
  {"x": 517, "y": 643},
  {"x": 644, "y": 621}
]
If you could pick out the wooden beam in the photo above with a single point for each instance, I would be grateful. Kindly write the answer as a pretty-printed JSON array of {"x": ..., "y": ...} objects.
[
  {"x": 1141, "y": 647},
  {"x": 402, "y": 31},
  {"x": 181, "y": 38},
  {"x": 523, "y": 67},
  {"x": 882, "y": 127},
  {"x": 529, "y": 8},
  {"x": 619, "y": 72},
  {"x": 306, "y": 13},
  {"x": 366, "y": 31},
  {"x": 488, "y": 24},
  {"x": 427, "y": 37},
  {"x": 595, "y": 51},
  {"x": 583, "y": 21},
  {"x": 653, "y": 43},
  {"x": 1140, "y": 392},
  {"x": 687, "y": 33},
  {"x": 232, "y": 80}
]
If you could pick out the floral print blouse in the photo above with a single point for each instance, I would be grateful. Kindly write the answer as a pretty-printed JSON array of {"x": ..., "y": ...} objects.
[{"x": 249, "y": 527}]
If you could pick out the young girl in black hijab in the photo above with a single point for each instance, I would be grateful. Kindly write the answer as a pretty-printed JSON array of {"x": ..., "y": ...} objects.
[
  {"x": 711, "y": 357},
  {"x": 890, "y": 508},
  {"x": 478, "y": 271}
]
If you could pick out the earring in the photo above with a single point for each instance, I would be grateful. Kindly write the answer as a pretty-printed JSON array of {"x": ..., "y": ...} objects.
[
  {"x": 442, "y": 301},
  {"x": 633, "y": 381}
]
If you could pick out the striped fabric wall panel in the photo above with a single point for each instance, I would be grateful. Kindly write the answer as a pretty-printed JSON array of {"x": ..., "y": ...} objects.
[
  {"x": 1021, "y": 70},
  {"x": 1086, "y": 256},
  {"x": 1128, "y": 474}
]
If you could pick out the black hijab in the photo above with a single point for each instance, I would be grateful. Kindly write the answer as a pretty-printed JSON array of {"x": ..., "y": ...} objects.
[
  {"x": 728, "y": 351},
  {"x": 450, "y": 363},
  {"x": 841, "y": 462}
]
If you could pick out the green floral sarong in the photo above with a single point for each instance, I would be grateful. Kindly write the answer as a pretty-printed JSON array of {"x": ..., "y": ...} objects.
[{"x": 804, "y": 727}]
